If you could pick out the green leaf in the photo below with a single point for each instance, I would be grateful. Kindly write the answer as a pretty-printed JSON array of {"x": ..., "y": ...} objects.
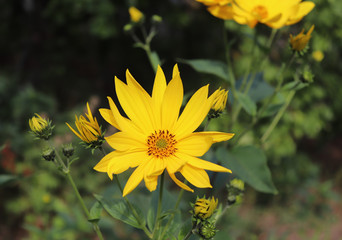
[
  {"x": 248, "y": 163},
  {"x": 259, "y": 89},
  {"x": 150, "y": 218},
  {"x": 4, "y": 178},
  {"x": 118, "y": 209},
  {"x": 95, "y": 212},
  {"x": 247, "y": 103},
  {"x": 213, "y": 67}
]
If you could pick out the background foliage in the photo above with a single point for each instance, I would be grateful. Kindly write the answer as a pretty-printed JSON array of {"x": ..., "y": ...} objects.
[{"x": 58, "y": 54}]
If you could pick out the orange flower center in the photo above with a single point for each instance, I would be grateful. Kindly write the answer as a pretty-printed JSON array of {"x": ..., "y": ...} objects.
[
  {"x": 161, "y": 144},
  {"x": 259, "y": 12}
]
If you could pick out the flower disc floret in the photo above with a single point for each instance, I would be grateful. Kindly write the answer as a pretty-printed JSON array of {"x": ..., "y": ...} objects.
[{"x": 161, "y": 144}]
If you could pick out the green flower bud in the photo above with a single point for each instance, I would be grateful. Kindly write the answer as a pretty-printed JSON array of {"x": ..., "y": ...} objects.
[
  {"x": 68, "y": 150},
  {"x": 49, "y": 154},
  {"x": 157, "y": 19},
  {"x": 207, "y": 230}
]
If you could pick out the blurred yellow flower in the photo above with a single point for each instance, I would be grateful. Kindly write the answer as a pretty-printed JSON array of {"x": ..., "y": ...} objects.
[
  {"x": 273, "y": 13},
  {"x": 299, "y": 42},
  {"x": 89, "y": 130},
  {"x": 318, "y": 55},
  {"x": 220, "y": 100},
  {"x": 219, "y": 8},
  {"x": 135, "y": 14},
  {"x": 204, "y": 208},
  {"x": 154, "y": 137}
]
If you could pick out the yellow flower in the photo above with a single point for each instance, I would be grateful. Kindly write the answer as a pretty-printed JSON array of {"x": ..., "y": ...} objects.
[
  {"x": 220, "y": 100},
  {"x": 273, "y": 13},
  {"x": 40, "y": 127},
  {"x": 135, "y": 14},
  {"x": 204, "y": 208},
  {"x": 154, "y": 137},
  {"x": 299, "y": 42},
  {"x": 89, "y": 130},
  {"x": 318, "y": 55},
  {"x": 219, "y": 8}
]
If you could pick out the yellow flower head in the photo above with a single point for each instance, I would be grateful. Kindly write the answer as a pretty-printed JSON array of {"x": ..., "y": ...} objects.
[
  {"x": 135, "y": 14},
  {"x": 204, "y": 208},
  {"x": 220, "y": 100},
  {"x": 219, "y": 8},
  {"x": 154, "y": 137},
  {"x": 273, "y": 13},
  {"x": 299, "y": 42},
  {"x": 318, "y": 55},
  {"x": 40, "y": 127},
  {"x": 89, "y": 130}
]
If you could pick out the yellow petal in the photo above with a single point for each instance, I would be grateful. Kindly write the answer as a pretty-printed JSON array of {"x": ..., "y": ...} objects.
[
  {"x": 159, "y": 87},
  {"x": 194, "y": 113},
  {"x": 179, "y": 183},
  {"x": 194, "y": 145},
  {"x": 124, "y": 160},
  {"x": 303, "y": 9},
  {"x": 102, "y": 166},
  {"x": 174, "y": 164},
  {"x": 151, "y": 183},
  {"x": 216, "y": 136},
  {"x": 75, "y": 132},
  {"x": 124, "y": 141},
  {"x": 134, "y": 180},
  {"x": 172, "y": 102},
  {"x": 197, "y": 177},
  {"x": 108, "y": 117},
  {"x": 202, "y": 164},
  {"x": 135, "y": 109},
  {"x": 155, "y": 167}
]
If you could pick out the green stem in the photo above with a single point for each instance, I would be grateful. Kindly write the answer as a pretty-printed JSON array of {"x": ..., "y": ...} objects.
[
  {"x": 180, "y": 195},
  {"x": 159, "y": 208},
  {"x": 188, "y": 235},
  {"x": 278, "y": 117},
  {"x": 85, "y": 209}
]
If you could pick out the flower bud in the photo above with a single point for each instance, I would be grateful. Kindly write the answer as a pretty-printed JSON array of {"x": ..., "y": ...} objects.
[
  {"x": 135, "y": 14},
  {"x": 204, "y": 208},
  {"x": 89, "y": 130},
  {"x": 157, "y": 19},
  {"x": 49, "y": 154},
  {"x": 40, "y": 127},
  {"x": 235, "y": 190},
  {"x": 68, "y": 150},
  {"x": 207, "y": 230},
  {"x": 219, "y": 103},
  {"x": 300, "y": 41}
]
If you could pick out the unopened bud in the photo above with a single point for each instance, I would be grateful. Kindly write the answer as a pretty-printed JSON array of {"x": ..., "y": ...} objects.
[
  {"x": 49, "y": 154},
  {"x": 157, "y": 19},
  {"x": 68, "y": 150},
  {"x": 207, "y": 230}
]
